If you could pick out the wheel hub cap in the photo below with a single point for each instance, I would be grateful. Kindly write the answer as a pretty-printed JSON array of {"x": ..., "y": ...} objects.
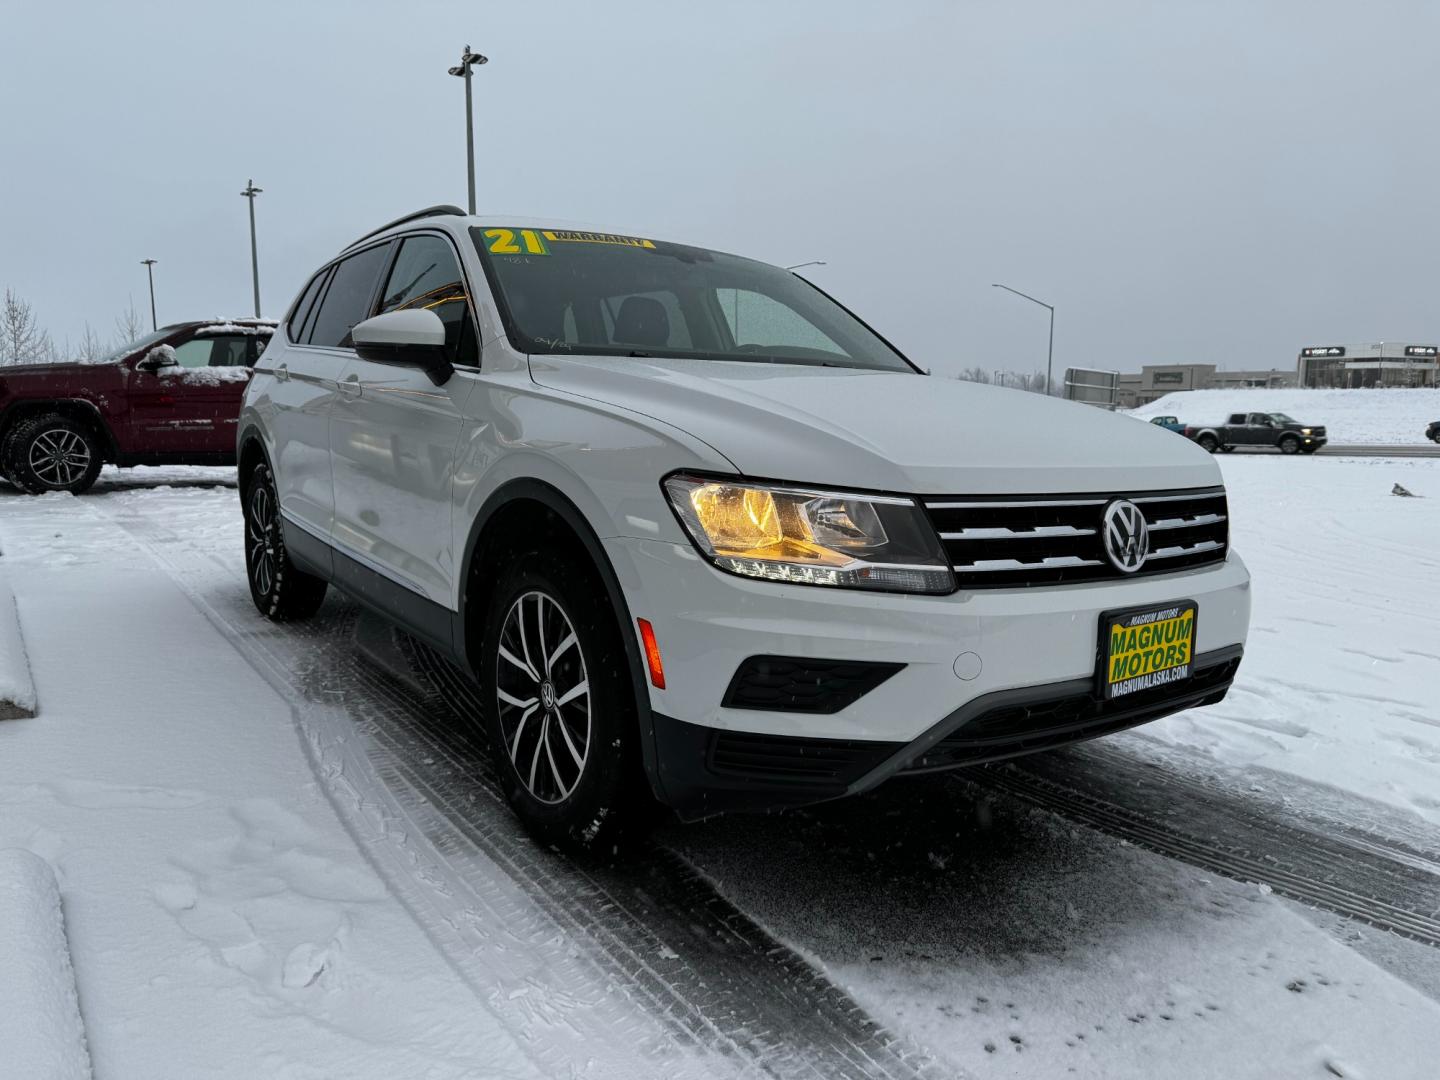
[{"x": 542, "y": 697}]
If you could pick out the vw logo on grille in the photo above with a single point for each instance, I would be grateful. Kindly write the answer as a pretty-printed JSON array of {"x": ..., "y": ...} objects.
[{"x": 1127, "y": 536}]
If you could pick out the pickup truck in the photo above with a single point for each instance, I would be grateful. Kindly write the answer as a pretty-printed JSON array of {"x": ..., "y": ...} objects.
[
  {"x": 1169, "y": 423},
  {"x": 1285, "y": 433}
]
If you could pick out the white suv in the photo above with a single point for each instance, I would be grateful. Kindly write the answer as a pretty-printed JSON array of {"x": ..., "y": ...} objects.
[{"x": 702, "y": 534}]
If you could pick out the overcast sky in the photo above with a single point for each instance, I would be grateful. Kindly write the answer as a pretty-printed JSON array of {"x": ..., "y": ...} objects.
[{"x": 1186, "y": 182}]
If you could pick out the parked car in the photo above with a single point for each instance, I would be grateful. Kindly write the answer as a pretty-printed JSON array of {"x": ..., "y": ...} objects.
[
  {"x": 1433, "y": 431},
  {"x": 1169, "y": 423},
  {"x": 702, "y": 535},
  {"x": 1285, "y": 433},
  {"x": 171, "y": 397}
]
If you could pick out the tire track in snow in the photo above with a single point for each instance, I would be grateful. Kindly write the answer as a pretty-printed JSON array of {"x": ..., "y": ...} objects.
[
  {"x": 587, "y": 967},
  {"x": 1383, "y": 883}
]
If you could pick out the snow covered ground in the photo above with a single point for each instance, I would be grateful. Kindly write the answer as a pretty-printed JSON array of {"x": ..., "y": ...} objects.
[
  {"x": 1341, "y": 678},
  {"x": 1350, "y": 416},
  {"x": 232, "y": 912}
]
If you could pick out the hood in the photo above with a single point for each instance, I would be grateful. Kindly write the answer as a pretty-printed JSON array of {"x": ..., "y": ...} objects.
[
  {"x": 54, "y": 367},
  {"x": 888, "y": 431}
]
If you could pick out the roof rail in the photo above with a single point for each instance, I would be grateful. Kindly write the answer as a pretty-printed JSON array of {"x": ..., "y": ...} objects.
[{"x": 430, "y": 211}]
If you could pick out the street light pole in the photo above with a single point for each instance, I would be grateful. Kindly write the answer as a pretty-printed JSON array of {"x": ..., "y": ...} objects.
[
  {"x": 149, "y": 265},
  {"x": 250, "y": 192},
  {"x": 1050, "y": 353},
  {"x": 469, "y": 60}
]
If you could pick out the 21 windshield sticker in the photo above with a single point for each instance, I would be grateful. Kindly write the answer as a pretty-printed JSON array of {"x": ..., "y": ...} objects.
[{"x": 537, "y": 241}]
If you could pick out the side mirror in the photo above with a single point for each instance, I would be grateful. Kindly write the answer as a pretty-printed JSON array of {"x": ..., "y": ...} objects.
[
  {"x": 412, "y": 338},
  {"x": 161, "y": 356}
]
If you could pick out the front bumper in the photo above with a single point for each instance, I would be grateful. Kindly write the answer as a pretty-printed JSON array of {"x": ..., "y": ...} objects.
[
  {"x": 953, "y": 650},
  {"x": 707, "y": 772}
]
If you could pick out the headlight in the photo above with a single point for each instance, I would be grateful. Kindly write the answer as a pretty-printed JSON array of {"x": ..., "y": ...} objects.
[
  {"x": 812, "y": 537},
  {"x": 1304, "y": 431}
]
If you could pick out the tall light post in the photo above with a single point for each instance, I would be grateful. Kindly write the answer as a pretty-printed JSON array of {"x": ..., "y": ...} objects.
[
  {"x": 1050, "y": 354},
  {"x": 469, "y": 60},
  {"x": 250, "y": 192},
  {"x": 812, "y": 262},
  {"x": 149, "y": 265}
]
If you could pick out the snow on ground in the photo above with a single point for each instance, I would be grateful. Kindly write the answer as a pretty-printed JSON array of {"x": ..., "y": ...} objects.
[
  {"x": 1017, "y": 946},
  {"x": 1341, "y": 678},
  {"x": 40, "y": 1028},
  {"x": 223, "y": 922},
  {"x": 1350, "y": 416},
  {"x": 17, "y": 693}
]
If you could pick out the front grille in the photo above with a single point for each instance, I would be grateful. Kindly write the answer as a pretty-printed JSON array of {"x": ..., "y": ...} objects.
[
  {"x": 1009, "y": 541},
  {"x": 800, "y": 684},
  {"x": 1317, "y": 432}
]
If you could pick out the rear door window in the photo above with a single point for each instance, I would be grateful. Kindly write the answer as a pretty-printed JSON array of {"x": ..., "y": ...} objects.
[
  {"x": 347, "y": 299},
  {"x": 1238, "y": 419},
  {"x": 302, "y": 307}
]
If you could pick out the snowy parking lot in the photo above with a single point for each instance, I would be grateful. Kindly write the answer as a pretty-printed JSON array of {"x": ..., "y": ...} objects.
[{"x": 281, "y": 852}]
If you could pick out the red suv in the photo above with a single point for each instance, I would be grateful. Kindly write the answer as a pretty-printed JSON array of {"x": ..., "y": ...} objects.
[{"x": 170, "y": 398}]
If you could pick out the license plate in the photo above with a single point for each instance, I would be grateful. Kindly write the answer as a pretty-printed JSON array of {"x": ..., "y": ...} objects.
[{"x": 1143, "y": 648}]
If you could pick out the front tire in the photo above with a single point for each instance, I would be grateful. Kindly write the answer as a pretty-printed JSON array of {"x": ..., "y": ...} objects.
[
  {"x": 281, "y": 592},
  {"x": 560, "y": 704},
  {"x": 52, "y": 453},
  {"x": 1289, "y": 444}
]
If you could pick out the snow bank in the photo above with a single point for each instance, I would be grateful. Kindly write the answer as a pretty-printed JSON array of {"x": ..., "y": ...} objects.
[
  {"x": 17, "y": 691},
  {"x": 1351, "y": 416},
  {"x": 41, "y": 1033}
]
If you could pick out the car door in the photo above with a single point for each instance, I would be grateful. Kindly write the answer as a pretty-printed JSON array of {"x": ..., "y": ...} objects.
[
  {"x": 187, "y": 410},
  {"x": 307, "y": 366},
  {"x": 1258, "y": 430},
  {"x": 393, "y": 433}
]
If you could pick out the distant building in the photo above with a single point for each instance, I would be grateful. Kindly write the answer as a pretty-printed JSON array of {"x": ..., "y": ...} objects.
[
  {"x": 1388, "y": 363},
  {"x": 1156, "y": 380}
]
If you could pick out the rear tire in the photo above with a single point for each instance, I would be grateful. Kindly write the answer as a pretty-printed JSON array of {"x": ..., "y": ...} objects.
[
  {"x": 281, "y": 592},
  {"x": 1289, "y": 444},
  {"x": 1208, "y": 443},
  {"x": 560, "y": 706},
  {"x": 52, "y": 453}
]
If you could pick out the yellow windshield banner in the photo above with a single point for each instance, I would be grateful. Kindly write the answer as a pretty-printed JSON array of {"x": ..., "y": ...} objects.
[{"x": 569, "y": 236}]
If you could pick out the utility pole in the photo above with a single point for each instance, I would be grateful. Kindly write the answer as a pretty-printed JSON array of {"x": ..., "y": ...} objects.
[
  {"x": 250, "y": 192},
  {"x": 469, "y": 60},
  {"x": 149, "y": 265}
]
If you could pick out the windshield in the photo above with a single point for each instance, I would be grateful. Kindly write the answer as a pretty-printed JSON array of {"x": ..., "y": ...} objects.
[
  {"x": 136, "y": 345},
  {"x": 564, "y": 291},
  {"x": 1283, "y": 418}
]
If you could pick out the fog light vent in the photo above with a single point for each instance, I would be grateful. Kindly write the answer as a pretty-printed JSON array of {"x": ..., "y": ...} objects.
[{"x": 800, "y": 684}]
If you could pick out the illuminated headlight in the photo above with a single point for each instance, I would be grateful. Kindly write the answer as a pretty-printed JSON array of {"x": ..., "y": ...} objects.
[
  {"x": 1304, "y": 431},
  {"x": 810, "y": 537}
]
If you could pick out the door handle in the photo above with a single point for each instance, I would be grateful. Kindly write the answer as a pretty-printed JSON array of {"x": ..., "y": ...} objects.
[
  {"x": 282, "y": 373},
  {"x": 350, "y": 387}
]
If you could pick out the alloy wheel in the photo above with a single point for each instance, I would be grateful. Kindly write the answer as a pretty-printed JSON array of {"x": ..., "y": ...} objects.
[
  {"x": 542, "y": 697},
  {"x": 260, "y": 534},
  {"x": 59, "y": 457}
]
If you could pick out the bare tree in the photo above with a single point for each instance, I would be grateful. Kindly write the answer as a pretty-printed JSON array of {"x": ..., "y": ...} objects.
[
  {"x": 129, "y": 325},
  {"x": 974, "y": 374},
  {"x": 21, "y": 339},
  {"x": 90, "y": 349}
]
